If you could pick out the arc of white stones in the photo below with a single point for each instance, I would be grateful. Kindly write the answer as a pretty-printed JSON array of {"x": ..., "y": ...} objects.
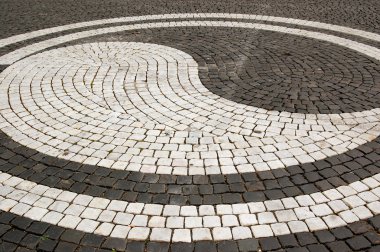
[
  {"x": 332, "y": 208},
  {"x": 33, "y": 48},
  {"x": 300, "y": 22},
  {"x": 54, "y": 115},
  {"x": 317, "y": 211}
]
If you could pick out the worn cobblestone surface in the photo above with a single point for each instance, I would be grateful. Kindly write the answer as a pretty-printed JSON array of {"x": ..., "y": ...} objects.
[
  {"x": 197, "y": 133},
  {"x": 22, "y": 234},
  {"x": 20, "y": 16},
  {"x": 352, "y": 166}
]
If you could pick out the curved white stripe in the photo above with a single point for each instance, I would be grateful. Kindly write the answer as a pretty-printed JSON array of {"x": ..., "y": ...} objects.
[
  {"x": 33, "y": 48},
  {"x": 313, "y": 24},
  {"x": 317, "y": 211}
]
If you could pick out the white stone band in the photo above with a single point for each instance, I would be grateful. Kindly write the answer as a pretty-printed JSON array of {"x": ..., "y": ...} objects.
[
  {"x": 292, "y": 21},
  {"x": 33, "y": 48},
  {"x": 139, "y": 221}
]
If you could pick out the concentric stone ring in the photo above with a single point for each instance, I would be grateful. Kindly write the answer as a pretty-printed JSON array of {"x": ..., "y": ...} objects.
[
  {"x": 190, "y": 106},
  {"x": 139, "y": 110}
]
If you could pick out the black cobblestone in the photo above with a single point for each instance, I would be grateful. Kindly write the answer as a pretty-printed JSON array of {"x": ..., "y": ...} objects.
[
  {"x": 61, "y": 239},
  {"x": 186, "y": 190}
]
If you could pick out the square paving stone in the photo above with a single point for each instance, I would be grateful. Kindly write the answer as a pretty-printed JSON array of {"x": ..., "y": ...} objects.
[
  {"x": 205, "y": 246},
  {"x": 324, "y": 236},
  {"x": 288, "y": 241},
  {"x": 47, "y": 245},
  {"x": 200, "y": 180},
  {"x": 184, "y": 180},
  {"x": 317, "y": 248},
  {"x": 157, "y": 247},
  {"x": 65, "y": 247},
  {"x": 254, "y": 196},
  {"x": 135, "y": 247},
  {"x": 7, "y": 246},
  {"x": 359, "y": 243},
  {"x": 248, "y": 245},
  {"x": 4, "y": 229},
  {"x": 181, "y": 247},
  {"x": 360, "y": 227},
  {"x": 54, "y": 232},
  {"x": 338, "y": 246},
  {"x": 306, "y": 239},
  {"x": 178, "y": 200},
  {"x": 206, "y": 189},
  {"x": 292, "y": 191},
  {"x": 215, "y": 179},
  {"x": 212, "y": 199},
  {"x": 274, "y": 194},
  {"x": 228, "y": 246},
  {"x": 14, "y": 236},
  {"x": 373, "y": 237},
  {"x": 115, "y": 243},
  {"x": 195, "y": 200},
  {"x": 341, "y": 233},
  {"x": 270, "y": 243},
  {"x": 255, "y": 186},
  {"x": 92, "y": 240},
  {"x": 160, "y": 199},
  {"x": 21, "y": 222},
  {"x": 38, "y": 227},
  {"x": 30, "y": 241},
  {"x": 6, "y": 217},
  {"x": 73, "y": 236}
]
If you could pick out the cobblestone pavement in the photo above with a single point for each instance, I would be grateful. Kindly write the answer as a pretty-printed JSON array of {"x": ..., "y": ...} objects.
[{"x": 189, "y": 125}]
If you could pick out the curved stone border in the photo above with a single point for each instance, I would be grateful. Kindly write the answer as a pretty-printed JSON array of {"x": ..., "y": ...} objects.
[
  {"x": 343, "y": 169},
  {"x": 313, "y": 24},
  {"x": 137, "y": 221},
  {"x": 25, "y": 233},
  {"x": 27, "y": 50}
]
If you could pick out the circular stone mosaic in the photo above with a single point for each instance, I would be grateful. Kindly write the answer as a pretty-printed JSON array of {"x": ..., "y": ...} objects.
[
  {"x": 142, "y": 107},
  {"x": 119, "y": 104}
]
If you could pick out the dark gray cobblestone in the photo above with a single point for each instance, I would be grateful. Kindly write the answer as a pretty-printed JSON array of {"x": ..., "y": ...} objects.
[
  {"x": 22, "y": 16},
  {"x": 22, "y": 234},
  {"x": 323, "y": 175}
]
